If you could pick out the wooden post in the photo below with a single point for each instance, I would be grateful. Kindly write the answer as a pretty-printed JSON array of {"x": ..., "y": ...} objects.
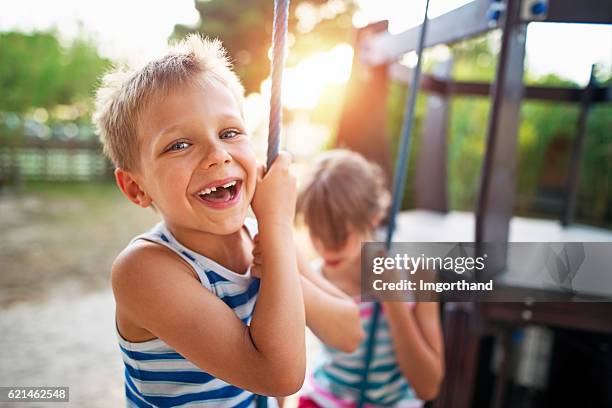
[
  {"x": 362, "y": 126},
  {"x": 499, "y": 389},
  {"x": 496, "y": 196},
  {"x": 431, "y": 167},
  {"x": 462, "y": 347},
  {"x": 573, "y": 180}
]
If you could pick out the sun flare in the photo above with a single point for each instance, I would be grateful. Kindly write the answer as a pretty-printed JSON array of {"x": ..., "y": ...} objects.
[{"x": 304, "y": 83}]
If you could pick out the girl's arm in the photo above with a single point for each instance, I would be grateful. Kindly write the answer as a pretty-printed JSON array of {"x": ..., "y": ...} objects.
[
  {"x": 417, "y": 340},
  {"x": 335, "y": 321},
  {"x": 318, "y": 279},
  {"x": 331, "y": 315}
]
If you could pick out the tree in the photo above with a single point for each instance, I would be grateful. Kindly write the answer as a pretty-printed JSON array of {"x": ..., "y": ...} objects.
[
  {"x": 246, "y": 31},
  {"x": 38, "y": 71}
]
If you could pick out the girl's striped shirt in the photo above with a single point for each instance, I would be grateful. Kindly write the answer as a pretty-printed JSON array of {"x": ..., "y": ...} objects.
[
  {"x": 158, "y": 376},
  {"x": 336, "y": 379}
]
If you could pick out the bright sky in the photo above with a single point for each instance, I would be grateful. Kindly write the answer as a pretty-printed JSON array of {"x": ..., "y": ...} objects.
[
  {"x": 125, "y": 29},
  {"x": 137, "y": 29},
  {"x": 567, "y": 50}
]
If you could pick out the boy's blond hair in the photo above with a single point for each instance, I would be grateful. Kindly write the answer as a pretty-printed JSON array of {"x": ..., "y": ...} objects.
[
  {"x": 126, "y": 93},
  {"x": 343, "y": 192}
]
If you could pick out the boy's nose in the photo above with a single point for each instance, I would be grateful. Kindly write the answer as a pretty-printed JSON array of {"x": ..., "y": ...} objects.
[{"x": 216, "y": 156}]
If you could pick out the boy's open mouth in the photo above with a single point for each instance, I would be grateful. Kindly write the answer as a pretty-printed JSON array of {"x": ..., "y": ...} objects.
[{"x": 223, "y": 193}]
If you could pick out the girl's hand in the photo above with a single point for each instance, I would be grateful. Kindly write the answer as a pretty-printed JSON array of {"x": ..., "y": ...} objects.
[{"x": 275, "y": 194}]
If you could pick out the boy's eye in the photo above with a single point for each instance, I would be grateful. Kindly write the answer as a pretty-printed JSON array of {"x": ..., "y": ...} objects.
[
  {"x": 178, "y": 146},
  {"x": 229, "y": 134}
]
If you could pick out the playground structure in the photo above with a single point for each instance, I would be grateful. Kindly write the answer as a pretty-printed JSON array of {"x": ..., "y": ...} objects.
[{"x": 479, "y": 337}]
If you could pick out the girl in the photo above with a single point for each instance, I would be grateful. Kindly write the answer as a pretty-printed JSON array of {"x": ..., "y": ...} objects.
[{"x": 343, "y": 202}]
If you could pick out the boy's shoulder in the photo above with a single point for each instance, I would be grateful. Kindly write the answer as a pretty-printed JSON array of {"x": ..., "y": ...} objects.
[{"x": 144, "y": 263}]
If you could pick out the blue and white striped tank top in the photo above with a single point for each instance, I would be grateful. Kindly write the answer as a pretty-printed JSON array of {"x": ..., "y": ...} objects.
[
  {"x": 158, "y": 376},
  {"x": 336, "y": 379}
]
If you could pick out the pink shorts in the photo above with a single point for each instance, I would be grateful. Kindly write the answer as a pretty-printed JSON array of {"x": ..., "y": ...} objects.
[{"x": 307, "y": 402}]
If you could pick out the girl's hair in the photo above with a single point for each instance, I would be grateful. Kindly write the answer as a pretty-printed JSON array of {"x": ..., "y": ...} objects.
[{"x": 343, "y": 192}]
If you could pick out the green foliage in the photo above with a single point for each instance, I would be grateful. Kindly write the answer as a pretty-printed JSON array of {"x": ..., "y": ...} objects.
[
  {"x": 473, "y": 59},
  {"x": 394, "y": 125},
  {"x": 596, "y": 173},
  {"x": 466, "y": 145},
  {"x": 38, "y": 71},
  {"x": 543, "y": 126}
]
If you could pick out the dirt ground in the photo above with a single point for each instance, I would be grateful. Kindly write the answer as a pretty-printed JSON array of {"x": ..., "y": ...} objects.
[
  {"x": 56, "y": 305},
  {"x": 56, "y": 319},
  {"x": 63, "y": 236},
  {"x": 64, "y": 341}
]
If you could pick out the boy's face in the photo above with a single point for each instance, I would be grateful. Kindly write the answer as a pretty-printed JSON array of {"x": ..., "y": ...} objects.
[{"x": 197, "y": 164}]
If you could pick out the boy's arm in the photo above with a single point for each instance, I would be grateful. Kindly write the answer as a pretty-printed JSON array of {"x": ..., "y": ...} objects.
[
  {"x": 331, "y": 315},
  {"x": 158, "y": 292},
  {"x": 277, "y": 327},
  {"x": 418, "y": 345}
]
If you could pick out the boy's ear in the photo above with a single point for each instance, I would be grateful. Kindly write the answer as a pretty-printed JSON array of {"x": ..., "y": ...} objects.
[{"x": 131, "y": 189}]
